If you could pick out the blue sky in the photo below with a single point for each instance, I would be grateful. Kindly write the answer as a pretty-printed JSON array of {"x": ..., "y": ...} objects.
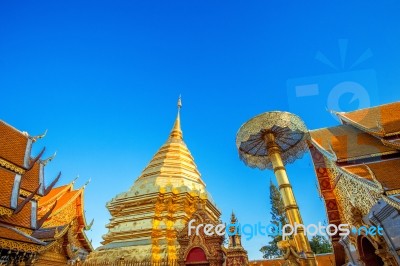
[{"x": 103, "y": 77}]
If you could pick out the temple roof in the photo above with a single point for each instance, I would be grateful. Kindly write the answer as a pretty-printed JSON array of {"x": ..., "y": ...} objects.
[
  {"x": 15, "y": 145},
  {"x": 10, "y": 233},
  {"x": 54, "y": 194},
  {"x": 62, "y": 197},
  {"x": 61, "y": 200},
  {"x": 385, "y": 172},
  {"x": 348, "y": 143},
  {"x": 47, "y": 234},
  {"x": 7, "y": 183},
  {"x": 22, "y": 218},
  {"x": 366, "y": 146},
  {"x": 33, "y": 177},
  {"x": 379, "y": 121},
  {"x": 173, "y": 162}
]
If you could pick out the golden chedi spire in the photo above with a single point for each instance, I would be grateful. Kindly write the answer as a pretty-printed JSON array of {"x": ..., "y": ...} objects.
[
  {"x": 146, "y": 218},
  {"x": 176, "y": 131},
  {"x": 173, "y": 162}
]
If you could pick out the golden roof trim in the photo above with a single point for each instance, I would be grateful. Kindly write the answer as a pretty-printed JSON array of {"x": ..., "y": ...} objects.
[
  {"x": 395, "y": 204},
  {"x": 20, "y": 246},
  {"x": 12, "y": 167},
  {"x": 391, "y": 144},
  {"x": 5, "y": 211},
  {"x": 362, "y": 181},
  {"x": 27, "y": 193},
  {"x": 24, "y": 230},
  {"x": 82, "y": 207},
  {"x": 87, "y": 240},
  {"x": 393, "y": 192}
]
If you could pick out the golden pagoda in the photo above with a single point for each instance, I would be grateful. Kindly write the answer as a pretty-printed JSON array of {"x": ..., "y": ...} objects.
[{"x": 147, "y": 218}]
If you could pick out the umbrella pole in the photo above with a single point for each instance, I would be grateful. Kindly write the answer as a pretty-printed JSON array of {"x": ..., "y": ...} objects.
[{"x": 289, "y": 201}]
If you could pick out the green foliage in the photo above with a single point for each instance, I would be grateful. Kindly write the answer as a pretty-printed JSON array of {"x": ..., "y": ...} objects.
[
  {"x": 278, "y": 217},
  {"x": 320, "y": 244}
]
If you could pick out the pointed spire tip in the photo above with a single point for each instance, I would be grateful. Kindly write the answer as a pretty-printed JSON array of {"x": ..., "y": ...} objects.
[
  {"x": 176, "y": 129},
  {"x": 180, "y": 102}
]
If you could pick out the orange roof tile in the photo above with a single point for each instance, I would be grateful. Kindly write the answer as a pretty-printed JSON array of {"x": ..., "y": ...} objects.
[
  {"x": 383, "y": 120},
  {"x": 13, "y": 145},
  {"x": 22, "y": 219},
  {"x": 62, "y": 202},
  {"x": 349, "y": 143},
  {"x": 65, "y": 199},
  {"x": 386, "y": 172},
  {"x": 10, "y": 233},
  {"x": 7, "y": 184},
  {"x": 31, "y": 179},
  {"x": 54, "y": 194}
]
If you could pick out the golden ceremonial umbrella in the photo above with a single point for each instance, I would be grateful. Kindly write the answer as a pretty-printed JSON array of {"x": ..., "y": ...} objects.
[{"x": 269, "y": 141}]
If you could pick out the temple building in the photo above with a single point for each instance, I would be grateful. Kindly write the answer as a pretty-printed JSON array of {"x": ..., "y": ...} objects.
[
  {"x": 39, "y": 225},
  {"x": 357, "y": 164},
  {"x": 149, "y": 221}
]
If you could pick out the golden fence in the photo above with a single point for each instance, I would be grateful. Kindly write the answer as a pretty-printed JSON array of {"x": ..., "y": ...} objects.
[{"x": 134, "y": 263}]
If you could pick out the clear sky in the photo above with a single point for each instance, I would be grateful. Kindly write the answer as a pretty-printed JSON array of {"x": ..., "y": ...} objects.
[{"x": 103, "y": 77}]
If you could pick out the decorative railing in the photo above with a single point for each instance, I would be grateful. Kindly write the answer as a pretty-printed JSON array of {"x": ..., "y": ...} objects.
[{"x": 133, "y": 263}]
